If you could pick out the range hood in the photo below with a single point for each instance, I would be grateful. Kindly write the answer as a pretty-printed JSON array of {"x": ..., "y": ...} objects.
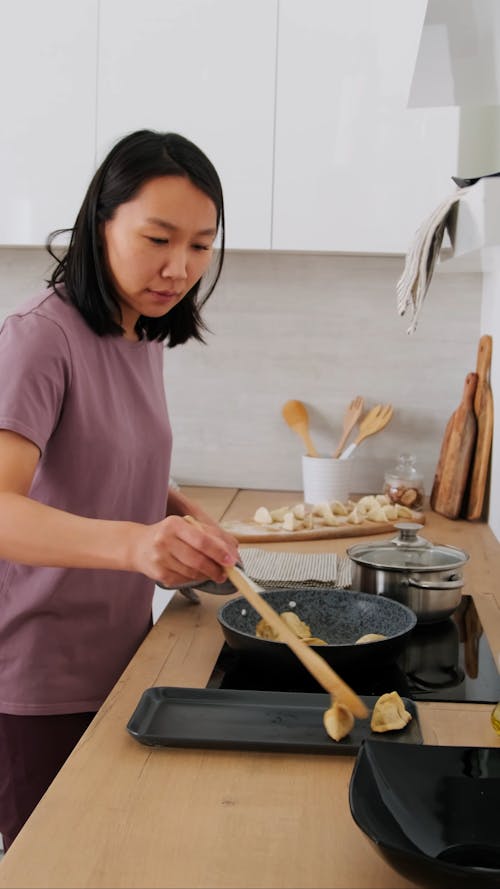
[{"x": 458, "y": 60}]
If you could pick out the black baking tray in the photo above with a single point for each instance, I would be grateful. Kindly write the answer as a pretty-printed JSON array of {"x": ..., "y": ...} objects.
[{"x": 231, "y": 719}]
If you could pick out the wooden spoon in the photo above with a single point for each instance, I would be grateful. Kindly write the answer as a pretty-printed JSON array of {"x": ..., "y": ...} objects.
[
  {"x": 295, "y": 414},
  {"x": 372, "y": 422},
  {"x": 351, "y": 417}
]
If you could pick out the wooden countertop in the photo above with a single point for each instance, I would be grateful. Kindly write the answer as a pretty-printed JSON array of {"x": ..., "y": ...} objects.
[{"x": 123, "y": 815}]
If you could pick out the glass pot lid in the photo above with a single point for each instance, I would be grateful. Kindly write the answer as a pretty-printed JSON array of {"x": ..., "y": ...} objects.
[{"x": 408, "y": 552}]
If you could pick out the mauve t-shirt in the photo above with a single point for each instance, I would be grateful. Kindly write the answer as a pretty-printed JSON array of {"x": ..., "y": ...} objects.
[{"x": 95, "y": 407}]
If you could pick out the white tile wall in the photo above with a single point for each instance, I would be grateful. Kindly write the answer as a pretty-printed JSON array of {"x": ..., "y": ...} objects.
[
  {"x": 318, "y": 327},
  {"x": 322, "y": 329}
]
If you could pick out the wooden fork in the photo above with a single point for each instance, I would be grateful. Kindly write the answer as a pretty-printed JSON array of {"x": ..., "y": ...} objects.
[
  {"x": 372, "y": 422},
  {"x": 351, "y": 417}
]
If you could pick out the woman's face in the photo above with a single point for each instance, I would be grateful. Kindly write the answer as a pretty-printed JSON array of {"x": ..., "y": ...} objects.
[{"x": 158, "y": 245}]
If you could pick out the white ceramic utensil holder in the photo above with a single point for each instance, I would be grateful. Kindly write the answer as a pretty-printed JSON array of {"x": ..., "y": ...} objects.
[{"x": 326, "y": 479}]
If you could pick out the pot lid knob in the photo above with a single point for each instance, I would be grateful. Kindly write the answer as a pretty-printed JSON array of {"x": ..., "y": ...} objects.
[{"x": 408, "y": 535}]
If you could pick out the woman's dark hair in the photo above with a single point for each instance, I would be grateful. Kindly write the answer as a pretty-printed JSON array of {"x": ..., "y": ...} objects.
[{"x": 133, "y": 161}]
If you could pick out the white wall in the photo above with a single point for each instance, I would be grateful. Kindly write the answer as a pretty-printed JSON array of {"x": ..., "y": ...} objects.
[{"x": 318, "y": 327}]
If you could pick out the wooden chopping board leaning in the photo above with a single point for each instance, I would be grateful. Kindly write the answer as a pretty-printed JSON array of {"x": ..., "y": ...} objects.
[
  {"x": 457, "y": 449},
  {"x": 483, "y": 409}
]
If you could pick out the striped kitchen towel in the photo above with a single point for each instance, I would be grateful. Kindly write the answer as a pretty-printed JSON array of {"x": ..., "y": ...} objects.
[
  {"x": 422, "y": 256},
  {"x": 286, "y": 570}
]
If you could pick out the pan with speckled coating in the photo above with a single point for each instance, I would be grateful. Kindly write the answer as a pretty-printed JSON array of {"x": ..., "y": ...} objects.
[{"x": 338, "y": 617}]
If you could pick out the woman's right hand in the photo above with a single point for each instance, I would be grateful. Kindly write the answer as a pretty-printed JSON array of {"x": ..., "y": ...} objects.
[{"x": 174, "y": 552}]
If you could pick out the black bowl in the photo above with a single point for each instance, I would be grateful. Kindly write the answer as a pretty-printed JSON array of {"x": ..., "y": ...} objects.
[
  {"x": 431, "y": 812},
  {"x": 339, "y": 617}
]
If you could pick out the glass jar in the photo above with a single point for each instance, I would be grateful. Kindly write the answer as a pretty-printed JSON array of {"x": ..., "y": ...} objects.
[{"x": 404, "y": 485}]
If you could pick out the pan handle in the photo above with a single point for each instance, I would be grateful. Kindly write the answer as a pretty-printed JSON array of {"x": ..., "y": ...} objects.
[{"x": 452, "y": 584}]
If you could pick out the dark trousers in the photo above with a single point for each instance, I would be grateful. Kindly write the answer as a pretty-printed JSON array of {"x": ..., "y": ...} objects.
[{"x": 32, "y": 750}]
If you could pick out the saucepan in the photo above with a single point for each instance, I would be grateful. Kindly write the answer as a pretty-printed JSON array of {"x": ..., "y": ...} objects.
[
  {"x": 338, "y": 617},
  {"x": 410, "y": 569}
]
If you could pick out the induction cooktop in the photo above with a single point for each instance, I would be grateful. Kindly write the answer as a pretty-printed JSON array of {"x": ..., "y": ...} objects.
[{"x": 447, "y": 661}]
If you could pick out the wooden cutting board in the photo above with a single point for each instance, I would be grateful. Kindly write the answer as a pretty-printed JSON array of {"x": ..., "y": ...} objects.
[
  {"x": 455, "y": 459},
  {"x": 483, "y": 410},
  {"x": 250, "y": 532}
]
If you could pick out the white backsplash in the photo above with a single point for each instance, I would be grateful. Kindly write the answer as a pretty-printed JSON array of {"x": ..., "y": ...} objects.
[{"x": 317, "y": 327}]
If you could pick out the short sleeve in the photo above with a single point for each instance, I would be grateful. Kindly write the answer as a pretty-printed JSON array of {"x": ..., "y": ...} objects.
[{"x": 35, "y": 371}]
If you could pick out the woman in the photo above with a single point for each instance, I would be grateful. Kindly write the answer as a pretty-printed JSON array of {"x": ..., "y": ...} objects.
[{"x": 87, "y": 523}]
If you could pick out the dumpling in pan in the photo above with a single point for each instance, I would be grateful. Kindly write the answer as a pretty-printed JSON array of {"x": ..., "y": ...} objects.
[
  {"x": 338, "y": 721},
  {"x": 370, "y": 637},
  {"x": 265, "y": 631},
  {"x": 295, "y": 624},
  {"x": 389, "y": 713}
]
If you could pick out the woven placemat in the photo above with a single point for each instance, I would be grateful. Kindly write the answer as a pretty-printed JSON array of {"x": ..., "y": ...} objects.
[{"x": 286, "y": 570}]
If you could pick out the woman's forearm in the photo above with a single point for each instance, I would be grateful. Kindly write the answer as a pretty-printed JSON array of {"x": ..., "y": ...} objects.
[
  {"x": 35, "y": 534},
  {"x": 170, "y": 551}
]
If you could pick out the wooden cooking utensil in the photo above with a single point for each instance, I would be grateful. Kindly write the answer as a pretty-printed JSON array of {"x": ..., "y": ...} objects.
[
  {"x": 351, "y": 417},
  {"x": 316, "y": 665},
  {"x": 295, "y": 414},
  {"x": 457, "y": 448},
  {"x": 483, "y": 410},
  {"x": 311, "y": 660},
  {"x": 375, "y": 420}
]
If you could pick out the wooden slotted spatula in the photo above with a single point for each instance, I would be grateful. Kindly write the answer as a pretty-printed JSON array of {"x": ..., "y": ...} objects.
[
  {"x": 295, "y": 414},
  {"x": 339, "y": 691},
  {"x": 351, "y": 417},
  {"x": 312, "y": 661},
  {"x": 372, "y": 422}
]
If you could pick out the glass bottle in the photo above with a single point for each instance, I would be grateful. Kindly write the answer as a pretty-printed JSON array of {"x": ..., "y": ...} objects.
[{"x": 403, "y": 484}]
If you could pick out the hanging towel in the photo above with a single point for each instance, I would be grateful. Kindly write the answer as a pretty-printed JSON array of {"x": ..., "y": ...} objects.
[{"x": 421, "y": 258}]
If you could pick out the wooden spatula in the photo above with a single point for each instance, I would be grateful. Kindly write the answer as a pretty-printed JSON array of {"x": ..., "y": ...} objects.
[
  {"x": 311, "y": 660},
  {"x": 372, "y": 422},
  {"x": 316, "y": 665},
  {"x": 295, "y": 414},
  {"x": 351, "y": 417}
]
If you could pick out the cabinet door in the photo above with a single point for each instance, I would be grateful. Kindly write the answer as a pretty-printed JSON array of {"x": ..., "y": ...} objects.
[
  {"x": 48, "y": 53},
  {"x": 356, "y": 170},
  {"x": 205, "y": 69}
]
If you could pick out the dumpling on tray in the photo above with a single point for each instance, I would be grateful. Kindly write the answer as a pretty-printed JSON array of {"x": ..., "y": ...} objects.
[
  {"x": 338, "y": 721},
  {"x": 389, "y": 713}
]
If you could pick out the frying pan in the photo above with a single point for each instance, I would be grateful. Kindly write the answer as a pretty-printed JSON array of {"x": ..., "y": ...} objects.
[{"x": 339, "y": 617}]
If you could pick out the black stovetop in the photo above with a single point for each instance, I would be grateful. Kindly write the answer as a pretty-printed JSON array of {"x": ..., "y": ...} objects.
[{"x": 447, "y": 661}]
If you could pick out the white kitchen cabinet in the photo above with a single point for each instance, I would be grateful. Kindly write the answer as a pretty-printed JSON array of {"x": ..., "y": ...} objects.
[
  {"x": 205, "y": 69},
  {"x": 355, "y": 169},
  {"x": 47, "y": 111}
]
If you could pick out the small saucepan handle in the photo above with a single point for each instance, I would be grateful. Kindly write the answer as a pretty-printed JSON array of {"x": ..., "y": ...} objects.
[{"x": 452, "y": 584}]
